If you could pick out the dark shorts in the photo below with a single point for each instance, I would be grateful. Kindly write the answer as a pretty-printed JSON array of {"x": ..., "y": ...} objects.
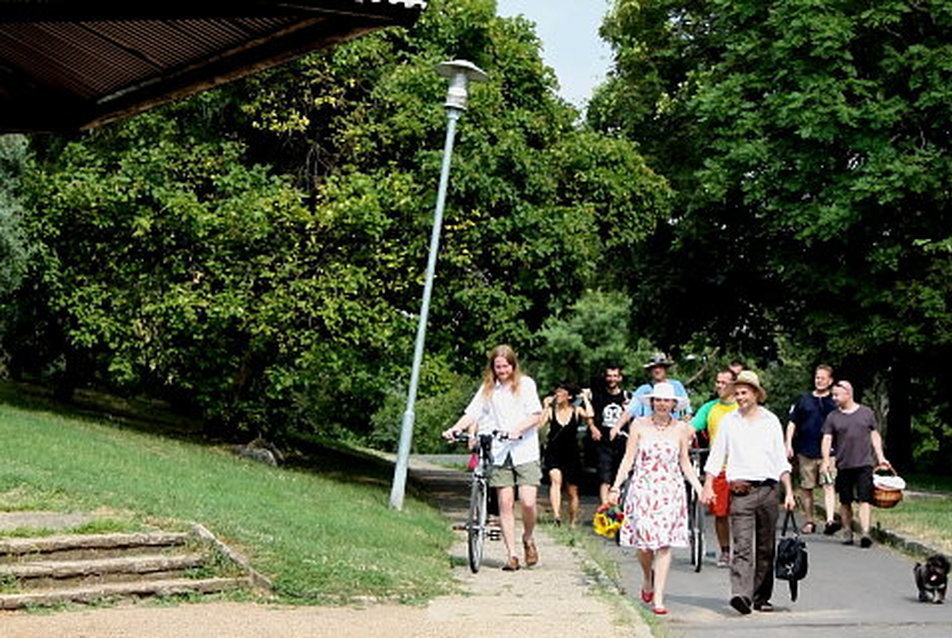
[
  {"x": 608, "y": 455},
  {"x": 855, "y": 484}
]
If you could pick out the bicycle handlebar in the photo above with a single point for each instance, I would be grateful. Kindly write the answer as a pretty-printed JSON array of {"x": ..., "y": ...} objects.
[{"x": 466, "y": 436}]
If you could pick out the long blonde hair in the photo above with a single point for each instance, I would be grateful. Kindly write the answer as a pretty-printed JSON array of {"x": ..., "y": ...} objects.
[{"x": 489, "y": 374}]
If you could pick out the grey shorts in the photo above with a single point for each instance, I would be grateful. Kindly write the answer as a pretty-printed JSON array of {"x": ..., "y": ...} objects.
[{"x": 509, "y": 475}]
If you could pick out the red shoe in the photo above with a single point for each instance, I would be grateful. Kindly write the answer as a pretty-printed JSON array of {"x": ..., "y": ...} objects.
[
  {"x": 660, "y": 611},
  {"x": 647, "y": 596}
]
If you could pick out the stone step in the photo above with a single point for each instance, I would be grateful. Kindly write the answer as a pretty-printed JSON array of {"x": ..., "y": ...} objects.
[
  {"x": 168, "y": 587},
  {"x": 60, "y": 569},
  {"x": 11, "y": 547}
]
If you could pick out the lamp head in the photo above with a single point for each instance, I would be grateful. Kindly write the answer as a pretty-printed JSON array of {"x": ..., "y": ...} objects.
[{"x": 460, "y": 73}]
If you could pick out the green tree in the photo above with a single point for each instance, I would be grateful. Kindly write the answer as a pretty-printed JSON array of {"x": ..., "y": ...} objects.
[
  {"x": 593, "y": 333},
  {"x": 13, "y": 250},
  {"x": 257, "y": 252},
  {"x": 815, "y": 198}
]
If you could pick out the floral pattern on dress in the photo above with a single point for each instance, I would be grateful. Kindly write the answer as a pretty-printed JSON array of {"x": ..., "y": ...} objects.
[{"x": 656, "y": 513}]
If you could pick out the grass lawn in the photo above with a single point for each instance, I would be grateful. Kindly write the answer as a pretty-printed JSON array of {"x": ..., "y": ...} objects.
[
  {"x": 322, "y": 536},
  {"x": 927, "y": 517}
]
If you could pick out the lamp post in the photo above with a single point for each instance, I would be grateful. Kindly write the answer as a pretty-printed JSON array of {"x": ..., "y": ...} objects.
[{"x": 460, "y": 73}]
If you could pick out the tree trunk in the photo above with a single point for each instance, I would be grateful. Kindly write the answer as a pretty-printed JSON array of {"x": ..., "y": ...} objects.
[{"x": 899, "y": 421}]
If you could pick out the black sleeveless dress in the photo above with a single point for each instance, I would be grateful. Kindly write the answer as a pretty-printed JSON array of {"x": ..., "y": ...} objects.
[{"x": 561, "y": 448}]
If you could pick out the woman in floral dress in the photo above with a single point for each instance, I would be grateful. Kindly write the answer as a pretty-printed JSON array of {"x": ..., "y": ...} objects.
[{"x": 655, "y": 505}]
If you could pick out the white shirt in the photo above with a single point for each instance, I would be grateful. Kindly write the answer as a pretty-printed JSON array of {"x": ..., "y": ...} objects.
[
  {"x": 752, "y": 448},
  {"x": 502, "y": 410}
]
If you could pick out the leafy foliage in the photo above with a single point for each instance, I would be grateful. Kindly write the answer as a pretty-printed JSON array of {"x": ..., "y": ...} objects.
[
  {"x": 256, "y": 253},
  {"x": 813, "y": 202},
  {"x": 593, "y": 334}
]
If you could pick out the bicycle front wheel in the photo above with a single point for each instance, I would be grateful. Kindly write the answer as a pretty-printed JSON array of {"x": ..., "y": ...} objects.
[{"x": 476, "y": 524}]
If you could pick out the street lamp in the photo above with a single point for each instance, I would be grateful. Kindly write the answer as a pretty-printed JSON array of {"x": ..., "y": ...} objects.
[{"x": 460, "y": 73}]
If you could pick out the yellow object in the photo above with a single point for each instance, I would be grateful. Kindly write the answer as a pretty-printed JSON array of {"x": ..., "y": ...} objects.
[{"x": 607, "y": 520}]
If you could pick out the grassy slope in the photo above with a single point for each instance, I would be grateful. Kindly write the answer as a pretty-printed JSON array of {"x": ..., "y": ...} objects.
[
  {"x": 924, "y": 517},
  {"x": 320, "y": 537}
]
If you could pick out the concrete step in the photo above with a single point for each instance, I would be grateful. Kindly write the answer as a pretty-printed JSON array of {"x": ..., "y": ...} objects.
[
  {"x": 14, "y": 547},
  {"x": 61, "y": 569},
  {"x": 159, "y": 588}
]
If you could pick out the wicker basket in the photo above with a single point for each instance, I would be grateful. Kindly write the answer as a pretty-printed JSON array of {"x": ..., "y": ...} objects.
[{"x": 885, "y": 497}]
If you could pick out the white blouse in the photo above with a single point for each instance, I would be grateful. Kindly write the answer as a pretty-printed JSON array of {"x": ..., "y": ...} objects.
[{"x": 502, "y": 410}]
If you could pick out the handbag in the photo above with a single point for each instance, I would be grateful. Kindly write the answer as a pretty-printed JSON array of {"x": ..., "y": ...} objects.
[{"x": 791, "y": 559}]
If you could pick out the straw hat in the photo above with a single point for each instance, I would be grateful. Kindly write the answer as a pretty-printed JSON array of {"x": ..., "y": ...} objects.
[
  {"x": 658, "y": 359},
  {"x": 750, "y": 378}
]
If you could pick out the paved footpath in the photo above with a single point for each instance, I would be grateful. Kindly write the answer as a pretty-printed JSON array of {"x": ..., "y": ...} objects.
[
  {"x": 554, "y": 598},
  {"x": 848, "y": 591}
]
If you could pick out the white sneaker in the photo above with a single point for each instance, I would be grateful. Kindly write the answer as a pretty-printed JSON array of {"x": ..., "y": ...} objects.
[{"x": 724, "y": 560}]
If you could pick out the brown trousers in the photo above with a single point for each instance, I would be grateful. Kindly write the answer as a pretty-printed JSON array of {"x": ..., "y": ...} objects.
[{"x": 753, "y": 519}]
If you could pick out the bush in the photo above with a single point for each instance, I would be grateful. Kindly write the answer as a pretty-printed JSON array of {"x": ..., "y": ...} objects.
[{"x": 433, "y": 415}]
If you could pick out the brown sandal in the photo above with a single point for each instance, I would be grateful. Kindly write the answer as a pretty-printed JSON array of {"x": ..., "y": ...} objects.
[{"x": 532, "y": 554}]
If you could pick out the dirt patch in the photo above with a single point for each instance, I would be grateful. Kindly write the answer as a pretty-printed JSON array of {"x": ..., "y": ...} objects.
[{"x": 42, "y": 520}]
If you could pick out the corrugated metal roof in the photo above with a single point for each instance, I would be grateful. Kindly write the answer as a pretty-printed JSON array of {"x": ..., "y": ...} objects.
[{"x": 71, "y": 65}]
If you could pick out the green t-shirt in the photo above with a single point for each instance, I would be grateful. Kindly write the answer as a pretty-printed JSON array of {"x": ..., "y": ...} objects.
[{"x": 710, "y": 415}]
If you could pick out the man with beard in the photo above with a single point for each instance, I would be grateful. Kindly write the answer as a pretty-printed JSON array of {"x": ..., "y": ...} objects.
[
  {"x": 608, "y": 405},
  {"x": 657, "y": 367}
]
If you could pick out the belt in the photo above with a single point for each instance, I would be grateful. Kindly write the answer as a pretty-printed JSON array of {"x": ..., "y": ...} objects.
[{"x": 764, "y": 483}]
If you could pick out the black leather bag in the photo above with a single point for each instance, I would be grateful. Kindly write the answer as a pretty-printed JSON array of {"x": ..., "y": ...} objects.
[{"x": 791, "y": 560}]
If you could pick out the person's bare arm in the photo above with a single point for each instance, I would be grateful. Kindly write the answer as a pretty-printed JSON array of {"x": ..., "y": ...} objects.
[
  {"x": 877, "y": 441},
  {"x": 826, "y": 447},
  {"x": 788, "y": 440},
  {"x": 625, "y": 468},
  {"x": 686, "y": 468},
  {"x": 622, "y": 422},
  {"x": 527, "y": 423},
  {"x": 789, "y": 502},
  {"x": 465, "y": 422}
]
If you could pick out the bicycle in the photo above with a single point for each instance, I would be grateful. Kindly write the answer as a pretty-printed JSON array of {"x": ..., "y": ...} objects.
[
  {"x": 696, "y": 513},
  {"x": 476, "y": 527}
]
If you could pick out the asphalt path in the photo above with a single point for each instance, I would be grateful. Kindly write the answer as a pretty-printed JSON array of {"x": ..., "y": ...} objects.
[{"x": 865, "y": 592}]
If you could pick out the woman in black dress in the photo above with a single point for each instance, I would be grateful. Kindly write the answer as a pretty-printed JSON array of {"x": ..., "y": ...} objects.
[{"x": 562, "y": 461}]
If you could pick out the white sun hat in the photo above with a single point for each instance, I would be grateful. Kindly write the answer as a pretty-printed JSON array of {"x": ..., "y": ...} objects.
[{"x": 664, "y": 390}]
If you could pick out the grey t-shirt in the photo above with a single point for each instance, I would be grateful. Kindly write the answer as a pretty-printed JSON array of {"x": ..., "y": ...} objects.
[{"x": 851, "y": 436}]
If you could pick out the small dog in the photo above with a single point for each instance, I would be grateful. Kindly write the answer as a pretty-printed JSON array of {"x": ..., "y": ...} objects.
[{"x": 932, "y": 578}]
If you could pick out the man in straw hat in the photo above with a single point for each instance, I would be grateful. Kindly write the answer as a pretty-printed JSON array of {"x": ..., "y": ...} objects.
[
  {"x": 657, "y": 367},
  {"x": 852, "y": 429},
  {"x": 640, "y": 404},
  {"x": 749, "y": 447}
]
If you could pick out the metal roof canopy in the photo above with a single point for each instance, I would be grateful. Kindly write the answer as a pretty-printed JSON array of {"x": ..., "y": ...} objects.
[{"x": 69, "y": 65}]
